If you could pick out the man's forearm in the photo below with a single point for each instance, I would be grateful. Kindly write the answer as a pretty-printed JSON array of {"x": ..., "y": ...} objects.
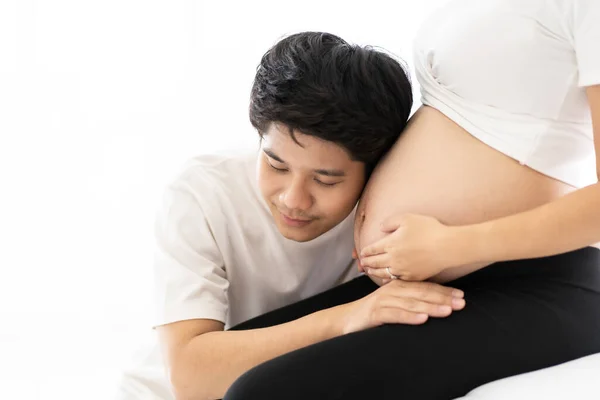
[{"x": 211, "y": 362}]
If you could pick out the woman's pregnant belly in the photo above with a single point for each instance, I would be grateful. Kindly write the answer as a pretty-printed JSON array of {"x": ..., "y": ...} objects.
[{"x": 437, "y": 168}]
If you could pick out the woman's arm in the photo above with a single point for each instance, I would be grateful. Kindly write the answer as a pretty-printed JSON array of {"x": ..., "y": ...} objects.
[{"x": 566, "y": 224}]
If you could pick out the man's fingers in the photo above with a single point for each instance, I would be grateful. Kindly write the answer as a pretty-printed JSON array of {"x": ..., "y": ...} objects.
[
  {"x": 430, "y": 296},
  {"x": 415, "y": 306},
  {"x": 393, "y": 315},
  {"x": 427, "y": 286}
]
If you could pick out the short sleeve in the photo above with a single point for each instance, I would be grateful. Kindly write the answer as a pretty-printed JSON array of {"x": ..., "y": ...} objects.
[
  {"x": 586, "y": 36},
  {"x": 190, "y": 278}
]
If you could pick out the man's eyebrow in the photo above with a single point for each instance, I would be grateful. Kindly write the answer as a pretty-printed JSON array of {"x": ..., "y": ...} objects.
[
  {"x": 330, "y": 172},
  {"x": 326, "y": 172},
  {"x": 273, "y": 155}
]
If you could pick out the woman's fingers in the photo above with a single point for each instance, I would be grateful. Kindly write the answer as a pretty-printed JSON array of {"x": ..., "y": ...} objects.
[
  {"x": 377, "y": 272},
  {"x": 377, "y": 261}
]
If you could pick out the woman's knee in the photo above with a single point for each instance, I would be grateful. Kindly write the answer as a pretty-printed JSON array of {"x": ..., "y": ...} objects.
[{"x": 261, "y": 382}]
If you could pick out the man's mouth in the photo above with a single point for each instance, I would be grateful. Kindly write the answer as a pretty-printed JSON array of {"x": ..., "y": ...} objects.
[{"x": 294, "y": 221}]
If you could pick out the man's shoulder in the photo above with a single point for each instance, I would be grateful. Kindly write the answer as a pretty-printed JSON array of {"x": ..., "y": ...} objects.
[
  {"x": 217, "y": 174},
  {"x": 224, "y": 186},
  {"x": 222, "y": 165}
]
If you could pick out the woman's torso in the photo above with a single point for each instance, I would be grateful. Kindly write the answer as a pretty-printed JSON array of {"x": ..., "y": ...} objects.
[
  {"x": 502, "y": 100},
  {"x": 437, "y": 168}
]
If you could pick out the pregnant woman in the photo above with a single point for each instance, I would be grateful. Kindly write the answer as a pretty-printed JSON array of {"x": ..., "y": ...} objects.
[{"x": 492, "y": 189}]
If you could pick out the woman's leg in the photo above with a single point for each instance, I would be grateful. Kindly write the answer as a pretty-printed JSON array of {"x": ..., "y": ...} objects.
[
  {"x": 520, "y": 316},
  {"x": 345, "y": 293}
]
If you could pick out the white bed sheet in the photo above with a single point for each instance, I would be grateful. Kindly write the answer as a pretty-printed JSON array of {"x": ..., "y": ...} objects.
[{"x": 575, "y": 380}]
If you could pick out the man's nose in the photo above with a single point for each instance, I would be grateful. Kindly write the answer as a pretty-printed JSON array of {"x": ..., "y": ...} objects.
[{"x": 296, "y": 197}]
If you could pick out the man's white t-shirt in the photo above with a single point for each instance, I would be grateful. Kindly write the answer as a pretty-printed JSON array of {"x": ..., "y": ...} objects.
[{"x": 220, "y": 256}]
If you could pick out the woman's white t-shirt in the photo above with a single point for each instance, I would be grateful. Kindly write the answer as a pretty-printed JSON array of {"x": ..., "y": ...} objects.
[
  {"x": 513, "y": 74},
  {"x": 219, "y": 255}
]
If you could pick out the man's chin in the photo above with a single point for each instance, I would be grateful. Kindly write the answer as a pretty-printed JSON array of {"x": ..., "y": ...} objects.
[{"x": 298, "y": 235}]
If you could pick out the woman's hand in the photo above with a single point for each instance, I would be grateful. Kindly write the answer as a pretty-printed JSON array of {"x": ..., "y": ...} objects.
[
  {"x": 376, "y": 280},
  {"x": 401, "y": 302},
  {"x": 417, "y": 248}
]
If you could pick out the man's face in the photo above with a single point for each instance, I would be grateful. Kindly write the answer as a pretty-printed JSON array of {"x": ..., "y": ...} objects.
[{"x": 310, "y": 188}]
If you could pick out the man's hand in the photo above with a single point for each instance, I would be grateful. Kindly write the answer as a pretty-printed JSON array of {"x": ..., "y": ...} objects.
[{"x": 400, "y": 302}]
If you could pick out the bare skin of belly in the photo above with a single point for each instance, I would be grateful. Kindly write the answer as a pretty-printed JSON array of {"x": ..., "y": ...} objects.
[{"x": 437, "y": 168}]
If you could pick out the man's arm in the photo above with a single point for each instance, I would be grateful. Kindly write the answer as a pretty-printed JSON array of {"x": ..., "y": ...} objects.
[{"x": 204, "y": 360}]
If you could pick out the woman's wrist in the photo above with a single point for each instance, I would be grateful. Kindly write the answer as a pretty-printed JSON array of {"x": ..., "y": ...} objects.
[{"x": 466, "y": 245}]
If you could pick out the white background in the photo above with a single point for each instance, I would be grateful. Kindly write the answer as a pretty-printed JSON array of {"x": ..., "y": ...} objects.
[{"x": 100, "y": 102}]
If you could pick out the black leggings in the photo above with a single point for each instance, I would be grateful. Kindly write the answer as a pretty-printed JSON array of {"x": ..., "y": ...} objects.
[{"x": 520, "y": 316}]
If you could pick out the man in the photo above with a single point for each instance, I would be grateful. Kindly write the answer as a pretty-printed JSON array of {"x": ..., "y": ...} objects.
[{"x": 241, "y": 236}]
